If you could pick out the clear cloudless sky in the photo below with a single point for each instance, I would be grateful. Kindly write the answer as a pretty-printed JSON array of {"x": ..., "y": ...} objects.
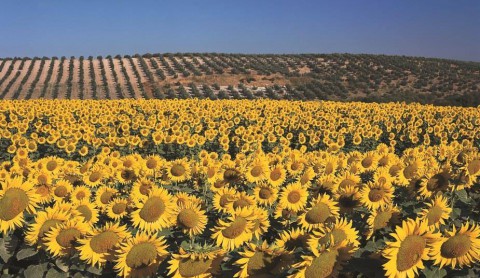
[{"x": 431, "y": 28}]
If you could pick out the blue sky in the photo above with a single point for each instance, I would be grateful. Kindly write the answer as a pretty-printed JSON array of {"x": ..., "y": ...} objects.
[{"x": 432, "y": 28}]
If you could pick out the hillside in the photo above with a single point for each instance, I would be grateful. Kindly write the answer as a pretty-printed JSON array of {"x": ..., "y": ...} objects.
[{"x": 341, "y": 77}]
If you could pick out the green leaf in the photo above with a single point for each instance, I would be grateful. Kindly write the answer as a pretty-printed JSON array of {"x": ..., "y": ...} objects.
[
  {"x": 61, "y": 265},
  {"x": 26, "y": 252},
  {"x": 7, "y": 247},
  {"x": 35, "y": 271},
  {"x": 94, "y": 270},
  {"x": 434, "y": 272},
  {"x": 462, "y": 196},
  {"x": 53, "y": 273}
]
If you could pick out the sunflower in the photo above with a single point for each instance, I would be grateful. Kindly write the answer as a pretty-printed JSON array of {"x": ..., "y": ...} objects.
[
  {"x": 321, "y": 210},
  {"x": 94, "y": 176},
  {"x": 383, "y": 177},
  {"x": 141, "y": 255},
  {"x": 61, "y": 190},
  {"x": 433, "y": 182},
  {"x": 261, "y": 221},
  {"x": 16, "y": 197},
  {"x": 241, "y": 200},
  {"x": 436, "y": 212},
  {"x": 236, "y": 230},
  {"x": 223, "y": 198},
  {"x": 381, "y": 218},
  {"x": 293, "y": 197},
  {"x": 340, "y": 235},
  {"x": 347, "y": 179},
  {"x": 190, "y": 218},
  {"x": 295, "y": 166},
  {"x": 86, "y": 211},
  {"x": 284, "y": 216},
  {"x": 276, "y": 175},
  {"x": 348, "y": 198},
  {"x": 405, "y": 255},
  {"x": 99, "y": 245},
  {"x": 117, "y": 209},
  {"x": 264, "y": 194},
  {"x": 459, "y": 248},
  {"x": 369, "y": 161},
  {"x": 152, "y": 164},
  {"x": 103, "y": 196},
  {"x": 307, "y": 176},
  {"x": 44, "y": 221},
  {"x": 178, "y": 170},
  {"x": 198, "y": 264},
  {"x": 182, "y": 198},
  {"x": 52, "y": 164},
  {"x": 155, "y": 212},
  {"x": 61, "y": 238},
  {"x": 80, "y": 193},
  {"x": 323, "y": 265},
  {"x": 263, "y": 261},
  {"x": 410, "y": 171},
  {"x": 293, "y": 239},
  {"x": 141, "y": 188},
  {"x": 257, "y": 170},
  {"x": 375, "y": 195},
  {"x": 125, "y": 175}
]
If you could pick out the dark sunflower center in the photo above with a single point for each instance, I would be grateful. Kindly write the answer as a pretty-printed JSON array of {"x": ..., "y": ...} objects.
[
  {"x": 265, "y": 193},
  {"x": 230, "y": 175},
  {"x": 211, "y": 172},
  {"x": 42, "y": 179},
  {"x": 152, "y": 164},
  {"x": 104, "y": 242},
  {"x": 376, "y": 194},
  {"x": 67, "y": 237},
  {"x": 346, "y": 182},
  {"x": 13, "y": 202},
  {"x": 85, "y": 212},
  {"x": 106, "y": 197},
  {"x": 47, "y": 226},
  {"x": 410, "y": 171},
  {"x": 367, "y": 162},
  {"x": 260, "y": 264},
  {"x": 177, "y": 170},
  {"x": 145, "y": 189},
  {"x": 381, "y": 220},
  {"x": 42, "y": 190},
  {"x": 318, "y": 214},
  {"x": 293, "y": 197},
  {"x": 456, "y": 246},
  {"x": 128, "y": 174},
  {"x": 153, "y": 208},
  {"x": 52, "y": 165},
  {"x": 256, "y": 171},
  {"x": 141, "y": 254},
  {"x": 437, "y": 182},
  {"x": 119, "y": 208},
  {"x": 322, "y": 266},
  {"x": 193, "y": 268},
  {"x": 394, "y": 170},
  {"x": 225, "y": 199},
  {"x": 275, "y": 175},
  {"x": 188, "y": 218},
  {"x": 95, "y": 176},
  {"x": 410, "y": 252},
  {"x": 434, "y": 215},
  {"x": 293, "y": 243},
  {"x": 80, "y": 195},
  {"x": 329, "y": 168},
  {"x": 473, "y": 167},
  {"x": 236, "y": 228},
  {"x": 240, "y": 203},
  {"x": 383, "y": 161},
  {"x": 60, "y": 191},
  {"x": 295, "y": 166}
]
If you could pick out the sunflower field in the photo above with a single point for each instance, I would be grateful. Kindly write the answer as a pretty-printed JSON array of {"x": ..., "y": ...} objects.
[{"x": 238, "y": 188}]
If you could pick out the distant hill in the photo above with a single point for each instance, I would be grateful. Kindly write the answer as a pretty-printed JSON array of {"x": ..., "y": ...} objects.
[{"x": 341, "y": 77}]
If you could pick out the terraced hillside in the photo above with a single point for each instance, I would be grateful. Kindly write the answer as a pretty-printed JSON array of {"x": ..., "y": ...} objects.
[{"x": 207, "y": 75}]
